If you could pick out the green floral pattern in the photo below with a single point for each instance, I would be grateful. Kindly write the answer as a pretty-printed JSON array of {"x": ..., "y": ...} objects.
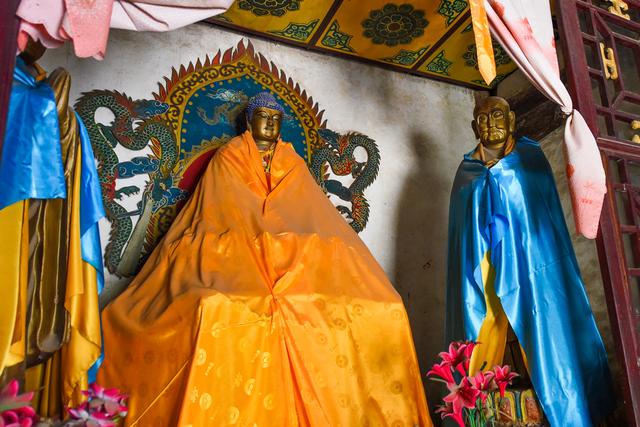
[
  {"x": 439, "y": 64},
  {"x": 299, "y": 32},
  {"x": 269, "y": 7},
  {"x": 406, "y": 57},
  {"x": 498, "y": 79},
  {"x": 336, "y": 39},
  {"x": 393, "y": 25},
  {"x": 451, "y": 9}
]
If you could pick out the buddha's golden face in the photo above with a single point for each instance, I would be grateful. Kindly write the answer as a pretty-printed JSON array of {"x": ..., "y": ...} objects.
[
  {"x": 494, "y": 122},
  {"x": 265, "y": 124}
]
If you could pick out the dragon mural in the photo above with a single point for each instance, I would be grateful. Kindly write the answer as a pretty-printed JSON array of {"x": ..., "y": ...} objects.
[
  {"x": 168, "y": 141},
  {"x": 337, "y": 157}
]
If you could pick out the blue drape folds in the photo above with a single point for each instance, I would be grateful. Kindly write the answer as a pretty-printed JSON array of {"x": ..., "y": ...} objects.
[
  {"x": 513, "y": 209},
  {"x": 31, "y": 164},
  {"x": 91, "y": 211}
]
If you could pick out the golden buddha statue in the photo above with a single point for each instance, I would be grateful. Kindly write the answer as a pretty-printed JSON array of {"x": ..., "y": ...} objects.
[
  {"x": 261, "y": 306},
  {"x": 511, "y": 265},
  {"x": 493, "y": 124},
  {"x": 265, "y": 126}
]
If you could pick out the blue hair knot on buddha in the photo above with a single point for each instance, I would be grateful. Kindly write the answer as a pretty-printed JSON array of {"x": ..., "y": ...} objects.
[{"x": 265, "y": 100}]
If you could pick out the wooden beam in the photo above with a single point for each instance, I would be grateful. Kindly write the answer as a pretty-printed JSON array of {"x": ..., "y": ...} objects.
[{"x": 536, "y": 116}]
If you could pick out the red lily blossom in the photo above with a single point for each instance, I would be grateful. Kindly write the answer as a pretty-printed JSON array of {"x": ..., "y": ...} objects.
[
  {"x": 446, "y": 411},
  {"x": 468, "y": 351},
  {"x": 503, "y": 377},
  {"x": 462, "y": 395},
  {"x": 455, "y": 357},
  {"x": 15, "y": 409},
  {"x": 483, "y": 382},
  {"x": 442, "y": 370}
]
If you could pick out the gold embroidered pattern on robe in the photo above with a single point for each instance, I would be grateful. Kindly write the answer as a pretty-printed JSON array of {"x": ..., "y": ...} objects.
[{"x": 262, "y": 308}]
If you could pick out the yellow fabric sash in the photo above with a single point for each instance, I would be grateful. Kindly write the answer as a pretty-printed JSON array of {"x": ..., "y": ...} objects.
[
  {"x": 495, "y": 327},
  {"x": 14, "y": 257},
  {"x": 482, "y": 35},
  {"x": 81, "y": 302}
]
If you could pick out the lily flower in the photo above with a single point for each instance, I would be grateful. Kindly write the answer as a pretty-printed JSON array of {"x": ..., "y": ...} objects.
[
  {"x": 442, "y": 370},
  {"x": 503, "y": 377},
  {"x": 483, "y": 382},
  {"x": 455, "y": 357},
  {"x": 446, "y": 411},
  {"x": 462, "y": 396},
  {"x": 468, "y": 351}
]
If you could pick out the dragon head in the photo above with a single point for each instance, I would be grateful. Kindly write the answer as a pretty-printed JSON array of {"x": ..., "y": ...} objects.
[{"x": 147, "y": 108}]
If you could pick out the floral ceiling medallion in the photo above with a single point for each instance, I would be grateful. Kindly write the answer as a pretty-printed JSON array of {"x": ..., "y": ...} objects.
[
  {"x": 269, "y": 7},
  {"x": 393, "y": 25}
]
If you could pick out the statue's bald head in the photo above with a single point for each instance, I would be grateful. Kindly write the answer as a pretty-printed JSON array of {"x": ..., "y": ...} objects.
[{"x": 493, "y": 121}]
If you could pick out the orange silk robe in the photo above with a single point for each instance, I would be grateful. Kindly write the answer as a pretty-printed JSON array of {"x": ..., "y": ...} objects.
[{"x": 262, "y": 307}]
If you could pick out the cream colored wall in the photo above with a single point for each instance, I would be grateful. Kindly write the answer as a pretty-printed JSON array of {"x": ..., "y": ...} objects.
[{"x": 421, "y": 127}]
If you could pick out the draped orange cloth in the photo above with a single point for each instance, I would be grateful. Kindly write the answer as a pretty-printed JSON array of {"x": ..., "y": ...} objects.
[{"x": 262, "y": 307}]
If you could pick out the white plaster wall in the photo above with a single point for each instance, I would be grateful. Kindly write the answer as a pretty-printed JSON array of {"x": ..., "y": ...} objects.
[{"x": 422, "y": 128}]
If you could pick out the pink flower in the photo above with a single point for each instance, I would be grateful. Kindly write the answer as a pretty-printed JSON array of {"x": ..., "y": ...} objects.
[
  {"x": 446, "y": 411},
  {"x": 483, "y": 382},
  {"x": 468, "y": 351},
  {"x": 503, "y": 377},
  {"x": 91, "y": 418},
  {"x": 462, "y": 395},
  {"x": 15, "y": 409},
  {"x": 442, "y": 370},
  {"x": 111, "y": 400},
  {"x": 455, "y": 357}
]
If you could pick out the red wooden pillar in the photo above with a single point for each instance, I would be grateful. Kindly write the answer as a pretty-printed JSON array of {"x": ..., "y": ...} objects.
[
  {"x": 8, "y": 37},
  {"x": 601, "y": 44}
]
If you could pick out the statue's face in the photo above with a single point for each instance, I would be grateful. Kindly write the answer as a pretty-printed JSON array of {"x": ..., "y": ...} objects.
[
  {"x": 493, "y": 122},
  {"x": 265, "y": 124}
]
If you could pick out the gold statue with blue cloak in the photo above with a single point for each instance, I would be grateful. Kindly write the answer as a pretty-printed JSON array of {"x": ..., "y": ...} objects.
[{"x": 511, "y": 263}]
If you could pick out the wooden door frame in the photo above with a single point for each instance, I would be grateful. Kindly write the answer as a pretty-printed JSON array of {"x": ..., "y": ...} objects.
[{"x": 613, "y": 269}]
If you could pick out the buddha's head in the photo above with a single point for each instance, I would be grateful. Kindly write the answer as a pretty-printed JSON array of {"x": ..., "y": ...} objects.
[
  {"x": 264, "y": 118},
  {"x": 493, "y": 121}
]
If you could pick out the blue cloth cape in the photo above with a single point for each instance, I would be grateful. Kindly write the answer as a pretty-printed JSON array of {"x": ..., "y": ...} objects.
[
  {"x": 513, "y": 209},
  {"x": 31, "y": 165}
]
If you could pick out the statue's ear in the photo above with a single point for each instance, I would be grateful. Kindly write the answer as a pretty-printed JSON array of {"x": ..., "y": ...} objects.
[
  {"x": 512, "y": 121},
  {"x": 474, "y": 126}
]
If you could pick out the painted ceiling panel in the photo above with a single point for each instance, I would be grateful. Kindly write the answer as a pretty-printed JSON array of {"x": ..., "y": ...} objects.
[
  {"x": 296, "y": 20},
  {"x": 430, "y": 38},
  {"x": 399, "y": 33},
  {"x": 456, "y": 58}
]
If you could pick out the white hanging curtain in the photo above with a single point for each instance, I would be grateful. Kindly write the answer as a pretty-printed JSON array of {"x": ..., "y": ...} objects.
[
  {"x": 87, "y": 23},
  {"x": 525, "y": 31}
]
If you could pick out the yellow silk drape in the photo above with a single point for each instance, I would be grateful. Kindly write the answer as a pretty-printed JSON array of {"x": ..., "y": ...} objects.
[
  {"x": 14, "y": 254},
  {"x": 482, "y": 35},
  {"x": 261, "y": 306},
  {"x": 81, "y": 302},
  {"x": 495, "y": 327}
]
